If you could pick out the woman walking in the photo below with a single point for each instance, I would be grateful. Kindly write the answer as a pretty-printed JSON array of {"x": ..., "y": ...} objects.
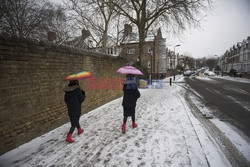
[
  {"x": 131, "y": 94},
  {"x": 74, "y": 96}
]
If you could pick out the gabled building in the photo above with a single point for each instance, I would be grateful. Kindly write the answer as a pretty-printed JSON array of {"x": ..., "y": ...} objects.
[
  {"x": 154, "y": 57},
  {"x": 237, "y": 57},
  {"x": 82, "y": 41}
]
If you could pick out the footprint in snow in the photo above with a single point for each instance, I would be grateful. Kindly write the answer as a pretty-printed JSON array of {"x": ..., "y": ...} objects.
[
  {"x": 137, "y": 144},
  {"x": 142, "y": 164}
]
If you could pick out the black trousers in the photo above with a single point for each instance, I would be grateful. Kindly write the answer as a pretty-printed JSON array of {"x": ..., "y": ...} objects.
[
  {"x": 128, "y": 112},
  {"x": 126, "y": 117},
  {"x": 74, "y": 120}
]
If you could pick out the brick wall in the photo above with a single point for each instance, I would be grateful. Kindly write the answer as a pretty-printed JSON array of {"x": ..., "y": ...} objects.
[{"x": 31, "y": 86}]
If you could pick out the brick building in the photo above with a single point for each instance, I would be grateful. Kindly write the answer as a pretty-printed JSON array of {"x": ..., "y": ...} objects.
[
  {"x": 237, "y": 57},
  {"x": 154, "y": 51}
]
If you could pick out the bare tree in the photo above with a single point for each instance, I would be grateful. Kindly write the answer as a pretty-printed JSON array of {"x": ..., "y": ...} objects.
[
  {"x": 144, "y": 13},
  {"x": 211, "y": 63},
  {"x": 95, "y": 16},
  {"x": 118, "y": 30},
  {"x": 22, "y": 17},
  {"x": 188, "y": 62},
  {"x": 59, "y": 23}
]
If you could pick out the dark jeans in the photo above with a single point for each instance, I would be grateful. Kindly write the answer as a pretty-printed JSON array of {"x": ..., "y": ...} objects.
[{"x": 74, "y": 120}]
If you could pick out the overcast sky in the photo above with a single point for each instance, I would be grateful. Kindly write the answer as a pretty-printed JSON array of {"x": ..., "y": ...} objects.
[{"x": 228, "y": 24}]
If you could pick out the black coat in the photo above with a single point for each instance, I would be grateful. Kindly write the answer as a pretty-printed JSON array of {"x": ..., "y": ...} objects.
[
  {"x": 131, "y": 94},
  {"x": 74, "y": 96}
]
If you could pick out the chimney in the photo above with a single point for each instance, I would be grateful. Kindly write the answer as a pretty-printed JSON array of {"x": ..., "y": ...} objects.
[
  {"x": 127, "y": 29},
  {"x": 85, "y": 34},
  {"x": 51, "y": 36},
  {"x": 159, "y": 34}
]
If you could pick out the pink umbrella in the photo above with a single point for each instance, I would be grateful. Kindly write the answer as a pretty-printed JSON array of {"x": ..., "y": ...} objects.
[{"x": 129, "y": 70}]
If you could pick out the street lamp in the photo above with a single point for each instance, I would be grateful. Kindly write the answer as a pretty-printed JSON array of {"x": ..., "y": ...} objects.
[
  {"x": 174, "y": 60},
  {"x": 151, "y": 65}
]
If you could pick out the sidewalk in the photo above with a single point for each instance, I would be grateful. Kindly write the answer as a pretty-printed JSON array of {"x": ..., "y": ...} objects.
[{"x": 167, "y": 135}]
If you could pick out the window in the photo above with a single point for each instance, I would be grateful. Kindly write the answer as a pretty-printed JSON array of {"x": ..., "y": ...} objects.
[
  {"x": 131, "y": 51},
  {"x": 150, "y": 50},
  {"x": 149, "y": 64},
  {"x": 110, "y": 51}
]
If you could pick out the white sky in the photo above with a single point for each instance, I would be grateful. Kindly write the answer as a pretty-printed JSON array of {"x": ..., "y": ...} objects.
[{"x": 228, "y": 24}]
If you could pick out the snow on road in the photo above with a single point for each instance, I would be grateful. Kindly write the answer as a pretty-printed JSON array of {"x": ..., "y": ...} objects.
[
  {"x": 167, "y": 135},
  {"x": 236, "y": 79}
]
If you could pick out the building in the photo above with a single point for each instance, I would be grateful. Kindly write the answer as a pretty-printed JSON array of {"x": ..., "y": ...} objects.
[
  {"x": 82, "y": 41},
  {"x": 154, "y": 57},
  {"x": 237, "y": 57}
]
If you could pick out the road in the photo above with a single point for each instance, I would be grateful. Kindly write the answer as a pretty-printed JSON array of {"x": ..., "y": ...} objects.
[{"x": 230, "y": 99}]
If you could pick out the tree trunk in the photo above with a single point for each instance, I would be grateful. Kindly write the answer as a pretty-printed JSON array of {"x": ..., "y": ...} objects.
[
  {"x": 142, "y": 29},
  {"x": 141, "y": 43},
  {"x": 104, "y": 39}
]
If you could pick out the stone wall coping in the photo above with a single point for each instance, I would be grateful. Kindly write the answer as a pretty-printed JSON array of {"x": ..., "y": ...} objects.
[{"x": 51, "y": 45}]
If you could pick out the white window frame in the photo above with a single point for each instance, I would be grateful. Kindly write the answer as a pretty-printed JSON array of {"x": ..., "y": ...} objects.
[
  {"x": 150, "y": 50},
  {"x": 110, "y": 51},
  {"x": 131, "y": 51},
  {"x": 149, "y": 64}
]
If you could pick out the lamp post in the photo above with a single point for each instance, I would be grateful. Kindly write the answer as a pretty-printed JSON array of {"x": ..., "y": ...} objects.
[
  {"x": 151, "y": 65},
  {"x": 174, "y": 60}
]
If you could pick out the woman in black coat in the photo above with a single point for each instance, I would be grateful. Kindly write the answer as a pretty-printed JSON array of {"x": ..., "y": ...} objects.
[
  {"x": 74, "y": 96},
  {"x": 131, "y": 94}
]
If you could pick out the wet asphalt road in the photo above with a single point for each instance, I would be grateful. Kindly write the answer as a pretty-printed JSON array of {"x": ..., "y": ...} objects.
[{"x": 230, "y": 99}]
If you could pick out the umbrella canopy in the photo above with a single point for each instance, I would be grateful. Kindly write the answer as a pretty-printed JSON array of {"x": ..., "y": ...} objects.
[
  {"x": 129, "y": 70},
  {"x": 78, "y": 75}
]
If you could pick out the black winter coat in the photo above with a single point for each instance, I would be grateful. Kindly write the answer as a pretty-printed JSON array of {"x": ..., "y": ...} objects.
[
  {"x": 131, "y": 94},
  {"x": 74, "y": 96}
]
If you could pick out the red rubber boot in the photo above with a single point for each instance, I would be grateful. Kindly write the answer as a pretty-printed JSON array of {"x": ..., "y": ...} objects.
[
  {"x": 69, "y": 138},
  {"x": 134, "y": 125},
  {"x": 123, "y": 128},
  {"x": 80, "y": 131}
]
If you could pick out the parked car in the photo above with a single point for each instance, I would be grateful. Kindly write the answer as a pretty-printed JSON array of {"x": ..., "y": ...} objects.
[
  {"x": 232, "y": 72},
  {"x": 188, "y": 73},
  {"x": 209, "y": 73}
]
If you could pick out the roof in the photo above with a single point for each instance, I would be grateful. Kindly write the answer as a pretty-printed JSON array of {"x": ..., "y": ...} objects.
[{"x": 131, "y": 38}]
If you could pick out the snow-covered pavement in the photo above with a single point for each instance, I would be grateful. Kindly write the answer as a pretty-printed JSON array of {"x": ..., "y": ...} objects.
[{"x": 167, "y": 135}]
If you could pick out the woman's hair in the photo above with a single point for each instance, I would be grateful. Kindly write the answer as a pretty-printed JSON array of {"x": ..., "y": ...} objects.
[
  {"x": 74, "y": 81},
  {"x": 130, "y": 76}
]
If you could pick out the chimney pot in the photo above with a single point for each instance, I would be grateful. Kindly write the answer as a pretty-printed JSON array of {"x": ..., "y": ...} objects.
[{"x": 51, "y": 35}]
